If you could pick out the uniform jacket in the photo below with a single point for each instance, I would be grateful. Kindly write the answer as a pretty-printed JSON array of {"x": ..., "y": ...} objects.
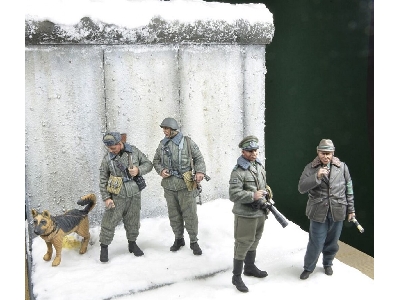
[
  {"x": 109, "y": 166},
  {"x": 335, "y": 193},
  {"x": 244, "y": 181},
  {"x": 169, "y": 156}
]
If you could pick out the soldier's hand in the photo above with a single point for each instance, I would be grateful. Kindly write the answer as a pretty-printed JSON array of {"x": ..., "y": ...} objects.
[
  {"x": 133, "y": 171},
  {"x": 109, "y": 203},
  {"x": 258, "y": 194},
  {"x": 165, "y": 173},
  {"x": 199, "y": 177}
]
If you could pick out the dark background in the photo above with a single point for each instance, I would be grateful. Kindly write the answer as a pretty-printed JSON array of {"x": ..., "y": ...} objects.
[{"x": 320, "y": 84}]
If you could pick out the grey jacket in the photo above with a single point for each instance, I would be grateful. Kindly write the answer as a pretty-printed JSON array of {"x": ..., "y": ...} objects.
[
  {"x": 109, "y": 166},
  {"x": 335, "y": 193},
  {"x": 173, "y": 154},
  {"x": 244, "y": 181}
]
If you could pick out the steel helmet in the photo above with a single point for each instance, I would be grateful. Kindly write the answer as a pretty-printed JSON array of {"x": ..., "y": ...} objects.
[{"x": 170, "y": 122}]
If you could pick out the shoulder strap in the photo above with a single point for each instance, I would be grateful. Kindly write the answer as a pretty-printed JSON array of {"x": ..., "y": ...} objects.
[
  {"x": 111, "y": 163},
  {"x": 130, "y": 160},
  {"x": 180, "y": 147},
  {"x": 190, "y": 153}
]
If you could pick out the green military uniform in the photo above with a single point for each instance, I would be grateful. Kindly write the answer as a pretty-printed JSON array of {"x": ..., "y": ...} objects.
[
  {"x": 173, "y": 154},
  {"x": 247, "y": 177},
  {"x": 128, "y": 201}
]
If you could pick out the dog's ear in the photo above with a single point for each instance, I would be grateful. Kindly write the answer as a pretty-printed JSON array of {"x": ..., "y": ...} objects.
[
  {"x": 34, "y": 212},
  {"x": 46, "y": 214}
]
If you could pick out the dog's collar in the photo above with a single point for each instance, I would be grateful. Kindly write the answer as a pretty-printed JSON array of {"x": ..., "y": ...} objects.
[{"x": 56, "y": 228}]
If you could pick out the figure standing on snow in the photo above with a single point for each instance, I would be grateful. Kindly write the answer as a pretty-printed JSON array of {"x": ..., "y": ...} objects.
[
  {"x": 330, "y": 197},
  {"x": 121, "y": 183},
  {"x": 177, "y": 160},
  {"x": 247, "y": 187}
]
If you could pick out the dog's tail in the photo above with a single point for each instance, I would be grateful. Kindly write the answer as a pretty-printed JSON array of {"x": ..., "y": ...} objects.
[{"x": 89, "y": 200}]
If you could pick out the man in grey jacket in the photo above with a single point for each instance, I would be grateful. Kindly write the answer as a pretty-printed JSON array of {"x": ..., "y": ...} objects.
[
  {"x": 178, "y": 157},
  {"x": 330, "y": 198},
  {"x": 247, "y": 189},
  {"x": 121, "y": 183}
]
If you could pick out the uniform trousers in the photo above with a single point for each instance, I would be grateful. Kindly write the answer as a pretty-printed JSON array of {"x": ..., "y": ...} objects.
[
  {"x": 182, "y": 213},
  {"x": 247, "y": 233}
]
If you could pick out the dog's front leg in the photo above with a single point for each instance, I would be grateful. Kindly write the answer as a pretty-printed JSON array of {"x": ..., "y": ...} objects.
[
  {"x": 58, "y": 246},
  {"x": 49, "y": 252}
]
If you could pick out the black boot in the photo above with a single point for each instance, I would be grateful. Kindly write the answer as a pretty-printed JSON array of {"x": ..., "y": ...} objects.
[
  {"x": 134, "y": 248},
  {"x": 237, "y": 276},
  {"x": 178, "y": 243},
  {"x": 196, "y": 248},
  {"x": 250, "y": 268},
  {"x": 103, "y": 253}
]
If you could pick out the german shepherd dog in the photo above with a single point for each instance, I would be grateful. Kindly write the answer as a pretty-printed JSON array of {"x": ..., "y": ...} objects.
[{"x": 53, "y": 228}]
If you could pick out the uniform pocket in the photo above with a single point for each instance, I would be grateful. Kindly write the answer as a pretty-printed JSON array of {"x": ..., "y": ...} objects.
[
  {"x": 313, "y": 207},
  {"x": 339, "y": 208}
]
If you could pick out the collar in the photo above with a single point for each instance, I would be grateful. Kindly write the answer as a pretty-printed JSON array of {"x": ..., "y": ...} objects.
[
  {"x": 317, "y": 162},
  {"x": 244, "y": 163},
  {"x": 176, "y": 139},
  {"x": 127, "y": 148},
  {"x": 55, "y": 228}
]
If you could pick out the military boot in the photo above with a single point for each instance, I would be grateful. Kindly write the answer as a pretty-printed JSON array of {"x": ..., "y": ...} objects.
[
  {"x": 250, "y": 268},
  {"x": 134, "y": 248},
  {"x": 196, "y": 248},
  {"x": 237, "y": 276},
  {"x": 178, "y": 243},
  {"x": 103, "y": 253}
]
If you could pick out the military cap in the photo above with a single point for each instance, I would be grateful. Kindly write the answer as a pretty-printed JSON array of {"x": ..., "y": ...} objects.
[
  {"x": 326, "y": 146},
  {"x": 111, "y": 138},
  {"x": 249, "y": 143}
]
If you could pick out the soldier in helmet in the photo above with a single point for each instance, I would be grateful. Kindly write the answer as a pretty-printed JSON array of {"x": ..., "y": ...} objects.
[
  {"x": 247, "y": 186},
  {"x": 121, "y": 183},
  {"x": 328, "y": 184},
  {"x": 175, "y": 158}
]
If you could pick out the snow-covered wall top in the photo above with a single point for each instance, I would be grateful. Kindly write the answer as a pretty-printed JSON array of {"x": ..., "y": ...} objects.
[
  {"x": 86, "y": 72},
  {"x": 123, "y": 22}
]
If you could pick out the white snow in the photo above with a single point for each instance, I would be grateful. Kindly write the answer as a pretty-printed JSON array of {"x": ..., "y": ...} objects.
[
  {"x": 132, "y": 14},
  {"x": 162, "y": 274}
]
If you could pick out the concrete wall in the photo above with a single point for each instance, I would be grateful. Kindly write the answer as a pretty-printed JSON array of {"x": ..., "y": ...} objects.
[
  {"x": 75, "y": 93},
  {"x": 77, "y": 89}
]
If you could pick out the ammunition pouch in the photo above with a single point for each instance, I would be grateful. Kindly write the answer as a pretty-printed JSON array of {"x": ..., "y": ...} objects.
[
  {"x": 188, "y": 178},
  {"x": 114, "y": 184}
]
